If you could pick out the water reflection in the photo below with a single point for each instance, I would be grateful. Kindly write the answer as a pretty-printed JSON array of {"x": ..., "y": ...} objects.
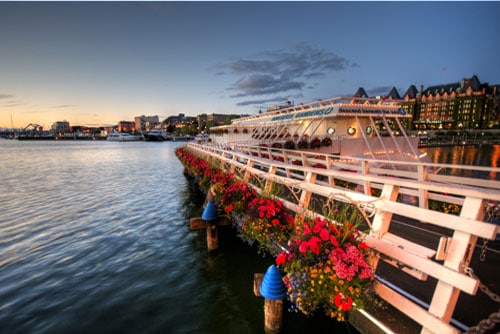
[{"x": 484, "y": 155}]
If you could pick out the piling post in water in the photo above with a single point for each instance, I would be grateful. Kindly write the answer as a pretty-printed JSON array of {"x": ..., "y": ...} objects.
[
  {"x": 273, "y": 290},
  {"x": 209, "y": 221},
  {"x": 211, "y": 217}
]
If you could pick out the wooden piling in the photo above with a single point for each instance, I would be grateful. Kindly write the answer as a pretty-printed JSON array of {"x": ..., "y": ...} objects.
[
  {"x": 273, "y": 315},
  {"x": 212, "y": 236},
  {"x": 257, "y": 280}
]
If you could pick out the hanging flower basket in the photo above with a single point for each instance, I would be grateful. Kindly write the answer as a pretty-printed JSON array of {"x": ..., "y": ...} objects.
[
  {"x": 303, "y": 144},
  {"x": 276, "y": 145},
  {"x": 236, "y": 197},
  {"x": 326, "y": 268},
  {"x": 290, "y": 145},
  {"x": 315, "y": 143},
  {"x": 267, "y": 223},
  {"x": 326, "y": 141}
]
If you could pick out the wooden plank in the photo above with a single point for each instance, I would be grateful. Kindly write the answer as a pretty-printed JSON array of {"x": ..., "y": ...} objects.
[
  {"x": 417, "y": 313},
  {"x": 410, "y": 271},
  {"x": 434, "y": 269},
  {"x": 467, "y": 225},
  {"x": 196, "y": 223},
  {"x": 409, "y": 246}
]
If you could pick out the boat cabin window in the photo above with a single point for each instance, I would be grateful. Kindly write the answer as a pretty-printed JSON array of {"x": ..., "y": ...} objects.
[
  {"x": 351, "y": 131},
  {"x": 331, "y": 131}
]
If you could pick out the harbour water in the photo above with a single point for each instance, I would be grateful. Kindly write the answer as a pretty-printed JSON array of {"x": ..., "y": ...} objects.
[{"x": 94, "y": 238}]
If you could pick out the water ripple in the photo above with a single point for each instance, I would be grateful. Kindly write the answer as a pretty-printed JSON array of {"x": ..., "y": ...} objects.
[{"x": 87, "y": 229}]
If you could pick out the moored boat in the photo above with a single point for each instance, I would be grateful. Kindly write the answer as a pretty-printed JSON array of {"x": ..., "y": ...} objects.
[
  {"x": 122, "y": 136},
  {"x": 348, "y": 127},
  {"x": 156, "y": 135}
]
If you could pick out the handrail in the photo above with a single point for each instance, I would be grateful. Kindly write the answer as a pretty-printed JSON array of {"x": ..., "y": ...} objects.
[{"x": 414, "y": 178}]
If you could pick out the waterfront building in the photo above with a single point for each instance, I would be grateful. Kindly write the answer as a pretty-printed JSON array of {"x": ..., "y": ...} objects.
[
  {"x": 61, "y": 127},
  {"x": 125, "y": 126},
  {"x": 178, "y": 120},
  {"x": 146, "y": 123},
  {"x": 468, "y": 104}
]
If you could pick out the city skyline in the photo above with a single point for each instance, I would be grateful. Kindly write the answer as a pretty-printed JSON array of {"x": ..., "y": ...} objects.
[{"x": 100, "y": 63}]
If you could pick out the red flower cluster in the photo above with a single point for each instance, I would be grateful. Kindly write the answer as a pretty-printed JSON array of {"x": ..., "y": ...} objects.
[
  {"x": 236, "y": 197},
  {"x": 325, "y": 266},
  {"x": 268, "y": 223}
]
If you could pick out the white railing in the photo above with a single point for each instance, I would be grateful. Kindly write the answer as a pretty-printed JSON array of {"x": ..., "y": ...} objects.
[{"x": 446, "y": 260}]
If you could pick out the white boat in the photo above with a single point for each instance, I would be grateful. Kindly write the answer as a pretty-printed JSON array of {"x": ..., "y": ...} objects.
[
  {"x": 122, "y": 136},
  {"x": 156, "y": 135},
  {"x": 347, "y": 127}
]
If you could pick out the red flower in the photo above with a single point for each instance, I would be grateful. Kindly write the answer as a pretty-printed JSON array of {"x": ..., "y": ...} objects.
[
  {"x": 343, "y": 303},
  {"x": 229, "y": 208},
  {"x": 314, "y": 248},
  {"x": 363, "y": 245},
  {"x": 303, "y": 246},
  {"x": 324, "y": 235},
  {"x": 281, "y": 259}
]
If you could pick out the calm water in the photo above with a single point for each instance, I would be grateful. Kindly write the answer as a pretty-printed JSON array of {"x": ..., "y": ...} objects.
[
  {"x": 484, "y": 155},
  {"x": 94, "y": 238}
]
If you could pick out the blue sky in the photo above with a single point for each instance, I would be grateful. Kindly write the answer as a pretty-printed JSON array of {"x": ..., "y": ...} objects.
[{"x": 98, "y": 63}]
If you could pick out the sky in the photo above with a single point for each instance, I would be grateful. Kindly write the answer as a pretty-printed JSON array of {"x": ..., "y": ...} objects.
[{"x": 97, "y": 63}]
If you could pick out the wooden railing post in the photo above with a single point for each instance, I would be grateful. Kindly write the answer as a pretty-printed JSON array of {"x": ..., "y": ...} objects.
[
  {"x": 248, "y": 174},
  {"x": 269, "y": 183},
  {"x": 366, "y": 184},
  {"x": 423, "y": 194},
  {"x": 305, "y": 196},
  {"x": 458, "y": 256}
]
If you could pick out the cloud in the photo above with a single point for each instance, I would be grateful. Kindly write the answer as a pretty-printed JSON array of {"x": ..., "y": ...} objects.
[
  {"x": 62, "y": 106},
  {"x": 6, "y": 96},
  {"x": 263, "y": 101},
  {"x": 264, "y": 84},
  {"x": 279, "y": 71}
]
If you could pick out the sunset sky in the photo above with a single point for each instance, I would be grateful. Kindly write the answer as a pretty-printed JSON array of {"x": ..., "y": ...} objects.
[{"x": 96, "y": 63}]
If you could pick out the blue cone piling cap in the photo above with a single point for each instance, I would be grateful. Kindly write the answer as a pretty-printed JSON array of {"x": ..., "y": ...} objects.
[
  {"x": 272, "y": 286},
  {"x": 210, "y": 212}
]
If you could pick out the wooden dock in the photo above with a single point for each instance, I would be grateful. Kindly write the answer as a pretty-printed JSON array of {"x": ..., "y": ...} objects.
[{"x": 391, "y": 192}]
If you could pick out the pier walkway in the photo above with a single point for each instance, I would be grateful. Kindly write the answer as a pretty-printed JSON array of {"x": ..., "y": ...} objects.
[{"x": 426, "y": 221}]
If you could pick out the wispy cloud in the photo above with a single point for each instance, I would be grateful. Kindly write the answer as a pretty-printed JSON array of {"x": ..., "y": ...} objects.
[
  {"x": 262, "y": 102},
  {"x": 279, "y": 71},
  {"x": 62, "y": 106},
  {"x": 6, "y": 96}
]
